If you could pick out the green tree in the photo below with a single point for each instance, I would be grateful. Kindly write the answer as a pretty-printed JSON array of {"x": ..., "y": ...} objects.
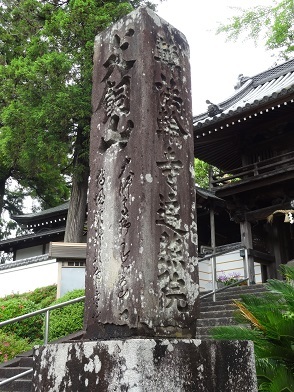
[
  {"x": 201, "y": 170},
  {"x": 46, "y": 50},
  {"x": 272, "y": 330},
  {"x": 274, "y": 24}
]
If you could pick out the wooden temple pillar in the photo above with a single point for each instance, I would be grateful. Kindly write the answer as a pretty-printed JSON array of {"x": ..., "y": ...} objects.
[
  {"x": 276, "y": 241},
  {"x": 246, "y": 239}
]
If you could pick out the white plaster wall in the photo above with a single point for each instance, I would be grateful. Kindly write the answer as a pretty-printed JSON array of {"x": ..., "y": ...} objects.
[
  {"x": 29, "y": 252},
  {"x": 205, "y": 274},
  {"x": 28, "y": 278},
  {"x": 227, "y": 263},
  {"x": 71, "y": 279}
]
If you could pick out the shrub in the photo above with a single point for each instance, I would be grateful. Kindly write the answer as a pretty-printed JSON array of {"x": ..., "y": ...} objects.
[
  {"x": 30, "y": 328},
  {"x": 43, "y": 296},
  {"x": 11, "y": 345},
  {"x": 272, "y": 331},
  {"x": 68, "y": 319}
]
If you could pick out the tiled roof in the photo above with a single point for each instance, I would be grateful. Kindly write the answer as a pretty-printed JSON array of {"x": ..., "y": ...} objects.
[
  {"x": 41, "y": 235},
  {"x": 62, "y": 208},
  {"x": 207, "y": 194},
  {"x": 24, "y": 262},
  {"x": 253, "y": 92}
]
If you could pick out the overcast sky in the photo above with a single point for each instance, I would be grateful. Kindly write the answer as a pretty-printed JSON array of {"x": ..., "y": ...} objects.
[{"x": 215, "y": 63}]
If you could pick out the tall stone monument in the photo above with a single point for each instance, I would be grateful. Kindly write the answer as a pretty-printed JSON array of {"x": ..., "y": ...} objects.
[
  {"x": 141, "y": 271},
  {"x": 141, "y": 275}
]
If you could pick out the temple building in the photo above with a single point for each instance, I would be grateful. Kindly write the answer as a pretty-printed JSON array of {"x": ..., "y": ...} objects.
[
  {"x": 40, "y": 257},
  {"x": 249, "y": 138}
]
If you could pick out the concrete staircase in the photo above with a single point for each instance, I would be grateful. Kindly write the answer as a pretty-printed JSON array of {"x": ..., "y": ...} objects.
[
  {"x": 221, "y": 312},
  {"x": 24, "y": 362},
  {"x": 11, "y": 368}
]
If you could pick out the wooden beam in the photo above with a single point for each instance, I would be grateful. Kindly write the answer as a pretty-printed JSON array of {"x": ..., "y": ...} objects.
[
  {"x": 262, "y": 213},
  {"x": 67, "y": 250},
  {"x": 264, "y": 258}
]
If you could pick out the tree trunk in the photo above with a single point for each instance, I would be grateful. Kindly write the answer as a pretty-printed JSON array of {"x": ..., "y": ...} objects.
[
  {"x": 78, "y": 200},
  {"x": 2, "y": 193},
  {"x": 77, "y": 210}
]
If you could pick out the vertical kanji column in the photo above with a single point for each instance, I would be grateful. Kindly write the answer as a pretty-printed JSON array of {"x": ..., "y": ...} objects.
[{"x": 141, "y": 267}]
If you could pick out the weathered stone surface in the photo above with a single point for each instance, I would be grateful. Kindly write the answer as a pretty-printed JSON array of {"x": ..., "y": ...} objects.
[
  {"x": 141, "y": 276},
  {"x": 137, "y": 365}
]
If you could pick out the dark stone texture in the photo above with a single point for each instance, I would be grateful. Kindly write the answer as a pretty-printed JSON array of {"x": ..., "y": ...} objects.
[
  {"x": 141, "y": 274},
  {"x": 137, "y": 365}
]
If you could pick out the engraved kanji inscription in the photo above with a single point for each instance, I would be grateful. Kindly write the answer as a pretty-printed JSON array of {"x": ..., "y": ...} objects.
[
  {"x": 171, "y": 266},
  {"x": 167, "y": 53},
  {"x": 116, "y": 98},
  {"x": 171, "y": 114}
]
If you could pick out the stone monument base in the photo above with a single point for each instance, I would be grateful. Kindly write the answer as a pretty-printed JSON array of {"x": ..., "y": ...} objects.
[{"x": 135, "y": 365}]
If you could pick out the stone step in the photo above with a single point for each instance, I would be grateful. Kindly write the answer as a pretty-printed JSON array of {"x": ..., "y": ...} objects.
[
  {"x": 203, "y": 332},
  {"x": 230, "y": 295},
  {"x": 7, "y": 372},
  {"x": 223, "y": 302},
  {"x": 216, "y": 321},
  {"x": 237, "y": 290},
  {"x": 243, "y": 287},
  {"x": 217, "y": 307},
  {"x": 217, "y": 313},
  {"x": 26, "y": 361},
  {"x": 17, "y": 386},
  {"x": 221, "y": 312}
]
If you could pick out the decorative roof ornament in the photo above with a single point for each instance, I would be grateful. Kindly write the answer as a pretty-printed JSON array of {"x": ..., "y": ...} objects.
[
  {"x": 240, "y": 82},
  {"x": 288, "y": 216},
  {"x": 213, "y": 109}
]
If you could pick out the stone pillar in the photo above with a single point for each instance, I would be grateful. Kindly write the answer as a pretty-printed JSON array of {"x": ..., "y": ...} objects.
[
  {"x": 141, "y": 274},
  {"x": 141, "y": 282}
]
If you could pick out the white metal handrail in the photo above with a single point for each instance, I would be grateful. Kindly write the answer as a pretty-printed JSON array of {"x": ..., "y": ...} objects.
[
  {"x": 46, "y": 329},
  {"x": 40, "y": 311},
  {"x": 16, "y": 377},
  {"x": 224, "y": 288}
]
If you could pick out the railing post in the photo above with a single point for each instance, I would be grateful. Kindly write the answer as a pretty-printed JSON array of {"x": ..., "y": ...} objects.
[
  {"x": 46, "y": 331},
  {"x": 213, "y": 267},
  {"x": 246, "y": 263},
  {"x": 212, "y": 237}
]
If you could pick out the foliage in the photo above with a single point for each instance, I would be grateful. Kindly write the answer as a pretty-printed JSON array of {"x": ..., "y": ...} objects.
[
  {"x": 18, "y": 304},
  {"x": 228, "y": 279},
  {"x": 274, "y": 24},
  {"x": 30, "y": 328},
  {"x": 201, "y": 169},
  {"x": 11, "y": 345},
  {"x": 46, "y": 51},
  {"x": 202, "y": 173},
  {"x": 272, "y": 322},
  {"x": 42, "y": 297},
  {"x": 69, "y": 319},
  {"x": 22, "y": 336}
]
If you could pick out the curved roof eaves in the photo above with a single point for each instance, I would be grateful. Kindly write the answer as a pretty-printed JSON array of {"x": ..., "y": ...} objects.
[
  {"x": 246, "y": 107},
  {"x": 261, "y": 88},
  {"x": 61, "y": 208}
]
